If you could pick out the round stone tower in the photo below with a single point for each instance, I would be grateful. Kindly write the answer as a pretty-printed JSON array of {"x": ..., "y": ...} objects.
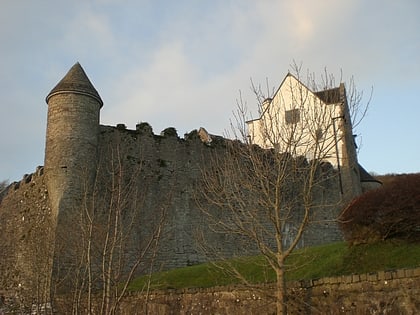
[{"x": 72, "y": 139}]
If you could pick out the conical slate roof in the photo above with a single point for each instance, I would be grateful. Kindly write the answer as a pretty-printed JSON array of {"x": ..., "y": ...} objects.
[{"x": 75, "y": 81}]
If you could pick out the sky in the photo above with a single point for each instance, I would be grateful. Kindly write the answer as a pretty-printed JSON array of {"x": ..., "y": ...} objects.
[{"x": 184, "y": 63}]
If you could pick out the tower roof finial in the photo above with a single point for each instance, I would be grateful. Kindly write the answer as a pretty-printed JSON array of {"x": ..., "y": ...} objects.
[{"x": 75, "y": 81}]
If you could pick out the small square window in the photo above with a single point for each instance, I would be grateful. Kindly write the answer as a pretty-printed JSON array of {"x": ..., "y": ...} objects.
[
  {"x": 319, "y": 134},
  {"x": 292, "y": 116}
]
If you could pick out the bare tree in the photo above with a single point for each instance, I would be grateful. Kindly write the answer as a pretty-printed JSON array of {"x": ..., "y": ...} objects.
[
  {"x": 274, "y": 180},
  {"x": 101, "y": 250}
]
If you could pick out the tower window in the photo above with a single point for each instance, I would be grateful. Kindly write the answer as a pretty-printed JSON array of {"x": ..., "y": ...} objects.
[{"x": 292, "y": 116}]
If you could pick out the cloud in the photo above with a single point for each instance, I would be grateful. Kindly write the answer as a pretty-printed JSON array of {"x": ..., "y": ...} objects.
[
  {"x": 153, "y": 89},
  {"x": 182, "y": 63},
  {"x": 203, "y": 68}
]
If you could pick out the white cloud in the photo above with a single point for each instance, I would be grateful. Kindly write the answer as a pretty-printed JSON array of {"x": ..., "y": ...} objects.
[
  {"x": 88, "y": 34},
  {"x": 182, "y": 63},
  {"x": 157, "y": 89}
]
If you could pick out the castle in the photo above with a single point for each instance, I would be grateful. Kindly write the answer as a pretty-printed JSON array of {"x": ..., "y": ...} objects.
[{"x": 99, "y": 177}]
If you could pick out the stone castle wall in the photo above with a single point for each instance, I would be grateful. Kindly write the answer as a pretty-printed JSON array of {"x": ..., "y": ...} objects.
[
  {"x": 157, "y": 175},
  {"x": 168, "y": 173},
  {"x": 27, "y": 239},
  {"x": 384, "y": 292},
  {"x": 141, "y": 187}
]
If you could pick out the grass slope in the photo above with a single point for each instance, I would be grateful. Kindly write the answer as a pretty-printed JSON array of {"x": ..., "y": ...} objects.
[{"x": 309, "y": 263}]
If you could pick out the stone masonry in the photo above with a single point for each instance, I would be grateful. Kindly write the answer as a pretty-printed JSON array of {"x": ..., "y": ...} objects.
[{"x": 87, "y": 165}]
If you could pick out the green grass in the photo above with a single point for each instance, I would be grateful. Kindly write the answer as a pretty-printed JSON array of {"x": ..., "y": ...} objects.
[
  {"x": 381, "y": 256},
  {"x": 254, "y": 269},
  {"x": 309, "y": 263}
]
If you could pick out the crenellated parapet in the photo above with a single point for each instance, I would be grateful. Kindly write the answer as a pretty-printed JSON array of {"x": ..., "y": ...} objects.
[{"x": 93, "y": 171}]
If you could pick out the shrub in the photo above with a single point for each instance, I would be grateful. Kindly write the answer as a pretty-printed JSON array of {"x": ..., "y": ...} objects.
[{"x": 392, "y": 211}]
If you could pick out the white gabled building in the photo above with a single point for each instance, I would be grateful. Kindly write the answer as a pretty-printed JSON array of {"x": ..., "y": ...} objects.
[{"x": 316, "y": 125}]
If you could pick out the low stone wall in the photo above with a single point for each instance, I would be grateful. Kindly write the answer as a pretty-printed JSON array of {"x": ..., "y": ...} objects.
[{"x": 385, "y": 292}]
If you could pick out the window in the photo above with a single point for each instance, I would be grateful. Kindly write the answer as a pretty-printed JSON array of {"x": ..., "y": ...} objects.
[
  {"x": 292, "y": 116},
  {"x": 319, "y": 134}
]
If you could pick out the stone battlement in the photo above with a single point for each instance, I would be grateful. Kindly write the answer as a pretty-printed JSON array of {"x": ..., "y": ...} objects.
[{"x": 144, "y": 187}]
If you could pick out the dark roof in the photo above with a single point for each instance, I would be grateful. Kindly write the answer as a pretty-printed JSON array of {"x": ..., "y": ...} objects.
[
  {"x": 75, "y": 81},
  {"x": 330, "y": 96},
  {"x": 366, "y": 177}
]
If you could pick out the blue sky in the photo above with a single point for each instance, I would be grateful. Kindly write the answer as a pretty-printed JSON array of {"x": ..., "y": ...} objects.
[{"x": 182, "y": 63}]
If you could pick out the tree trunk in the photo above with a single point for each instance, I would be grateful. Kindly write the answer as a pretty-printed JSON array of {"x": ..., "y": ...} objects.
[{"x": 280, "y": 292}]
